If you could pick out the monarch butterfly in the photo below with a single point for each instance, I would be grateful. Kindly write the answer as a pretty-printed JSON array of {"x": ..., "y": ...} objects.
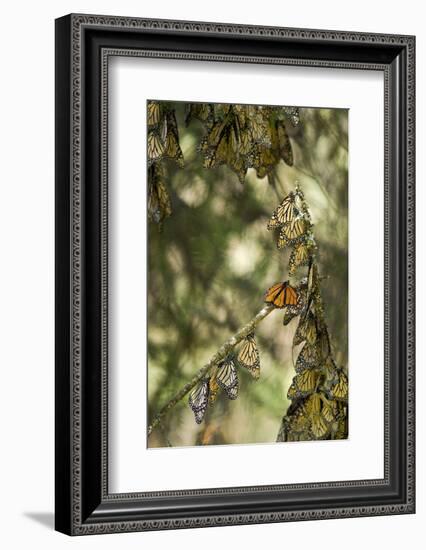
[
  {"x": 155, "y": 146},
  {"x": 248, "y": 357},
  {"x": 245, "y": 144},
  {"x": 306, "y": 330},
  {"x": 281, "y": 295},
  {"x": 341, "y": 413},
  {"x": 330, "y": 371},
  {"x": 264, "y": 158},
  {"x": 243, "y": 124},
  {"x": 154, "y": 113},
  {"x": 172, "y": 147},
  {"x": 297, "y": 422},
  {"x": 292, "y": 311},
  {"x": 291, "y": 232},
  {"x": 329, "y": 409},
  {"x": 258, "y": 123},
  {"x": 340, "y": 390},
  {"x": 303, "y": 384},
  {"x": 243, "y": 113},
  {"x": 307, "y": 358},
  {"x": 159, "y": 205},
  {"x": 222, "y": 146},
  {"x": 217, "y": 136},
  {"x": 201, "y": 111},
  {"x": 285, "y": 212},
  {"x": 319, "y": 425},
  {"x": 222, "y": 109},
  {"x": 227, "y": 378},
  {"x": 199, "y": 399},
  {"x": 270, "y": 151},
  {"x": 300, "y": 255}
]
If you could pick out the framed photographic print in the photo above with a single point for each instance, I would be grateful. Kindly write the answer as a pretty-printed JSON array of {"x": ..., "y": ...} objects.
[{"x": 234, "y": 274}]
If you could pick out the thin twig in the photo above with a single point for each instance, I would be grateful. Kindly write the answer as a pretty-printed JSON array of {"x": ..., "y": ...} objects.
[{"x": 221, "y": 353}]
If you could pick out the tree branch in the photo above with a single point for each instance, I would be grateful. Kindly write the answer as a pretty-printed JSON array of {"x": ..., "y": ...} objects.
[{"x": 221, "y": 353}]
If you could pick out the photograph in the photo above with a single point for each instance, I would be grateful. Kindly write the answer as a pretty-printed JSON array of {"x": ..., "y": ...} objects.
[
  {"x": 210, "y": 300},
  {"x": 234, "y": 270},
  {"x": 247, "y": 270}
]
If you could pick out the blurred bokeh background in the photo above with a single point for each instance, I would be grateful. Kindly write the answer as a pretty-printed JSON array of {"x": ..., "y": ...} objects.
[{"x": 210, "y": 265}]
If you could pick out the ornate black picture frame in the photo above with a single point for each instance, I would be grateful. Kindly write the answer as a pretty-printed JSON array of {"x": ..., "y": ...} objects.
[{"x": 83, "y": 45}]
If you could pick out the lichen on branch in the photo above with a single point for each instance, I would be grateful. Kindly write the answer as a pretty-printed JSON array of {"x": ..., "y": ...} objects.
[{"x": 225, "y": 349}]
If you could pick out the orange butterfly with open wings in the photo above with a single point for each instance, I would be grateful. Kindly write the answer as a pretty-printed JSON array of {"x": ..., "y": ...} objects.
[{"x": 281, "y": 295}]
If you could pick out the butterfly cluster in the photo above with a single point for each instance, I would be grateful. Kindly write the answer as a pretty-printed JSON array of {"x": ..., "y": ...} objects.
[
  {"x": 292, "y": 221},
  {"x": 319, "y": 390},
  {"x": 240, "y": 136},
  {"x": 163, "y": 143},
  {"x": 224, "y": 377},
  {"x": 257, "y": 137},
  {"x": 244, "y": 136}
]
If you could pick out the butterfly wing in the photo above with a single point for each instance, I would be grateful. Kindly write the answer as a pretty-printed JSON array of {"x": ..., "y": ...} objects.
[
  {"x": 172, "y": 148},
  {"x": 281, "y": 295},
  {"x": 199, "y": 399},
  {"x": 284, "y": 213},
  {"x": 319, "y": 426},
  {"x": 200, "y": 111},
  {"x": 300, "y": 255},
  {"x": 307, "y": 359},
  {"x": 264, "y": 159},
  {"x": 248, "y": 356},
  {"x": 303, "y": 384},
  {"x": 290, "y": 296},
  {"x": 297, "y": 423},
  {"x": 329, "y": 409},
  {"x": 155, "y": 146},
  {"x": 306, "y": 330},
  {"x": 258, "y": 125},
  {"x": 159, "y": 204},
  {"x": 214, "y": 389},
  {"x": 275, "y": 295},
  {"x": 340, "y": 390},
  {"x": 227, "y": 143},
  {"x": 291, "y": 232},
  {"x": 227, "y": 378},
  {"x": 154, "y": 113},
  {"x": 215, "y": 145}
]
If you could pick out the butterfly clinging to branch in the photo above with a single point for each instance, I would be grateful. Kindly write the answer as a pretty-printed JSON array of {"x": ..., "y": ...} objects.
[
  {"x": 292, "y": 232},
  {"x": 285, "y": 212},
  {"x": 227, "y": 378},
  {"x": 281, "y": 295},
  {"x": 248, "y": 356},
  {"x": 199, "y": 399}
]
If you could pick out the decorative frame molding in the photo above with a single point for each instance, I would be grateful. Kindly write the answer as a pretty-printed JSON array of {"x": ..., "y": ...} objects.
[{"x": 84, "y": 44}]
